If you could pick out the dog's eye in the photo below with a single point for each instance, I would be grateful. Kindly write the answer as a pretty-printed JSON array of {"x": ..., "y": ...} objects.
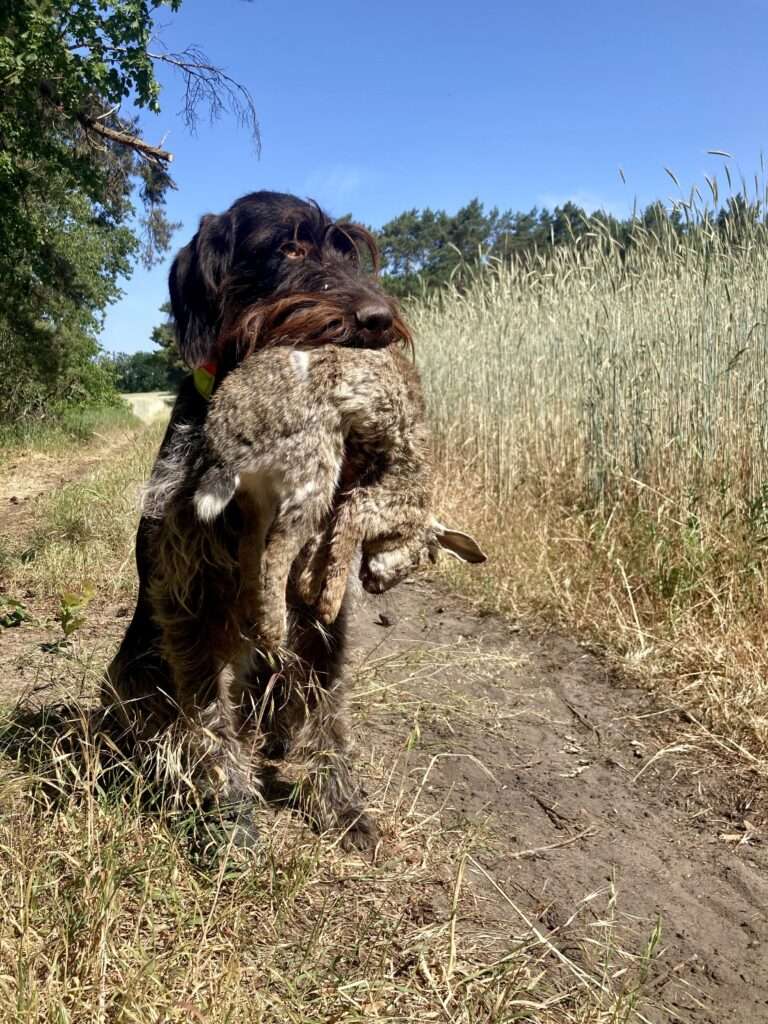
[
  {"x": 326, "y": 287},
  {"x": 293, "y": 251}
]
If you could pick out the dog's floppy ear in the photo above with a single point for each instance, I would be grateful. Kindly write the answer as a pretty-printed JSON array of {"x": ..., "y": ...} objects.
[
  {"x": 195, "y": 286},
  {"x": 458, "y": 544}
]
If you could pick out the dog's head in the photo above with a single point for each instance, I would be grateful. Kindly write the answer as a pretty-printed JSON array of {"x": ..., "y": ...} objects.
[{"x": 274, "y": 265}]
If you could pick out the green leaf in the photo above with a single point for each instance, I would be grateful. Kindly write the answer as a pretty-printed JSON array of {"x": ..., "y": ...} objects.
[{"x": 12, "y": 613}]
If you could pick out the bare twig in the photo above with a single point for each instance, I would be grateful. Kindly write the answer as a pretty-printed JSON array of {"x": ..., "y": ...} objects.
[
  {"x": 526, "y": 854},
  {"x": 207, "y": 84}
]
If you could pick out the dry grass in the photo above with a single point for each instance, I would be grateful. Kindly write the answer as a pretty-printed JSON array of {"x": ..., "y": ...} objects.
[
  {"x": 82, "y": 534},
  {"x": 601, "y": 424},
  {"x": 104, "y": 918}
]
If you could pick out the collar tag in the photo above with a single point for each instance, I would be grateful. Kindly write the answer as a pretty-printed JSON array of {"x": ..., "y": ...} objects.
[{"x": 205, "y": 378}]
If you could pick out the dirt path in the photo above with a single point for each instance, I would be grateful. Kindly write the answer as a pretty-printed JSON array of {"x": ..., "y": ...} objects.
[
  {"x": 150, "y": 405},
  {"x": 585, "y": 826},
  {"x": 34, "y": 474},
  {"x": 530, "y": 741},
  {"x": 38, "y": 473}
]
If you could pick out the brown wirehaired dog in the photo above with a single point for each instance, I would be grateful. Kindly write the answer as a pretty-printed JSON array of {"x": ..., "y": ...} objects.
[
  {"x": 270, "y": 259},
  {"x": 255, "y": 527}
]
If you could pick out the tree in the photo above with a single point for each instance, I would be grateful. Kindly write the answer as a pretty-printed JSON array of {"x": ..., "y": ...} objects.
[
  {"x": 407, "y": 244},
  {"x": 521, "y": 231},
  {"x": 464, "y": 238},
  {"x": 739, "y": 217},
  {"x": 568, "y": 223},
  {"x": 48, "y": 333},
  {"x": 427, "y": 248},
  {"x": 142, "y": 371},
  {"x": 73, "y": 79},
  {"x": 164, "y": 336}
]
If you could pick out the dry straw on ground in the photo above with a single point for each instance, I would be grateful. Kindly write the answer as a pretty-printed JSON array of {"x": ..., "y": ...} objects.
[{"x": 104, "y": 919}]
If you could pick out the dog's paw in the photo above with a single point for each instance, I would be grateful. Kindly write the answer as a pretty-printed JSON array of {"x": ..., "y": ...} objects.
[
  {"x": 384, "y": 569},
  {"x": 229, "y": 829},
  {"x": 268, "y": 632},
  {"x": 328, "y": 604},
  {"x": 360, "y": 835}
]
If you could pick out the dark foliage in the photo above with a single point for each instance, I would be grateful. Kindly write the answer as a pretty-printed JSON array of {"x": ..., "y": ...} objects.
[
  {"x": 144, "y": 371},
  {"x": 426, "y": 249}
]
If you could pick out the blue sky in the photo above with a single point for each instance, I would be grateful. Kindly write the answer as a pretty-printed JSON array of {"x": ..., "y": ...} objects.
[{"x": 376, "y": 108}]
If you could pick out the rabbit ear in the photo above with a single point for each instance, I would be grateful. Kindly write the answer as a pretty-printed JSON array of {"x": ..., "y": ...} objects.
[{"x": 458, "y": 544}]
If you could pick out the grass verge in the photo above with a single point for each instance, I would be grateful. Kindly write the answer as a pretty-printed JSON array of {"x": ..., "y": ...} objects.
[
  {"x": 73, "y": 428},
  {"x": 675, "y": 595},
  {"x": 81, "y": 536}
]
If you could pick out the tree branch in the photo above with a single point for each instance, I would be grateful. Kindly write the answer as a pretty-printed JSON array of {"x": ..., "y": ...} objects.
[
  {"x": 153, "y": 153},
  {"x": 209, "y": 85}
]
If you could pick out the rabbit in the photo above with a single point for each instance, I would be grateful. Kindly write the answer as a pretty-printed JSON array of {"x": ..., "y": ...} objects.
[{"x": 326, "y": 450}]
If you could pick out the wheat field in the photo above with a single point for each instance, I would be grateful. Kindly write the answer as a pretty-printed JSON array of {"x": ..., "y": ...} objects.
[
  {"x": 600, "y": 420},
  {"x": 619, "y": 368}
]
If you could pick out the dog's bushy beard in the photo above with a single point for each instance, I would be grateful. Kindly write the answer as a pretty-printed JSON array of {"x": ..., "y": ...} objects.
[{"x": 308, "y": 319}]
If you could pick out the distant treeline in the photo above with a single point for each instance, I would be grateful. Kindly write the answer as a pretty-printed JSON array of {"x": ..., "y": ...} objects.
[
  {"x": 425, "y": 249},
  {"x": 143, "y": 371}
]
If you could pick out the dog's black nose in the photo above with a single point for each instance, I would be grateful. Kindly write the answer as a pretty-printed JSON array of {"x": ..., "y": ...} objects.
[{"x": 374, "y": 317}]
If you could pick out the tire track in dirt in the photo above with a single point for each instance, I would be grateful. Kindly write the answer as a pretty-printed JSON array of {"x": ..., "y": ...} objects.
[
  {"x": 29, "y": 671},
  {"x": 36, "y": 474}
]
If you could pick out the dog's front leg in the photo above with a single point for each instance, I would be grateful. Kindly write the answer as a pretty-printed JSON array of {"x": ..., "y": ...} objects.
[{"x": 326, "y": 792}]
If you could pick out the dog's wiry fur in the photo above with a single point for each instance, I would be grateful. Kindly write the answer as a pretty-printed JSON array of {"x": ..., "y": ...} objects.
[
  {"x": 265, "y": 268},
  {"x": 185, "y": 664}
]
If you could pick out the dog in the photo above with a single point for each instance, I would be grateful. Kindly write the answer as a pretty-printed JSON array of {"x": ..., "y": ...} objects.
[{"x": 269, "y": 258}]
